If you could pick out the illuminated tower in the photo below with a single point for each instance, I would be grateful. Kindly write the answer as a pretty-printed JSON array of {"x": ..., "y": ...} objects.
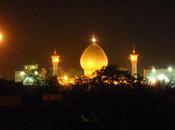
[
  {"x": 93, "y": 58},
  {"x": 134, "y": 58},
  {"x": 55, "y": 61}
]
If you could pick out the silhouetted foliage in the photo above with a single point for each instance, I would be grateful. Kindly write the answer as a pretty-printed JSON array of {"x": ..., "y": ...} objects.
[
  {"x": 52, "y": 82},
  {"x": 113, "y": 74},
  {"x": 90, "y": 105}
]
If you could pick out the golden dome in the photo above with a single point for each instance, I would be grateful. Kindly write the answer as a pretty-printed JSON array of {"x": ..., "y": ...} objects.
[{"x": 93, "y": 58}]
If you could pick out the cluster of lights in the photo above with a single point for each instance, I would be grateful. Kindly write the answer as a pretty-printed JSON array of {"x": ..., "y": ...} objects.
[
  {"x": 118, "y": 81},
  {"x": 154, "y": 77},
  {"x": 170, "y": 69},
  {"x": 27, "y": 80},
  {"x": 66, "y": 80},
  {"x": 22, "y": 73}
]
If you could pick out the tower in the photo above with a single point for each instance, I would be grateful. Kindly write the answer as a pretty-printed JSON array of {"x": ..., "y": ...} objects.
[
  {"x": 134, "y": 58},
  {"x": 93, "y": 58},
  {"x": 55, "y": 61}
]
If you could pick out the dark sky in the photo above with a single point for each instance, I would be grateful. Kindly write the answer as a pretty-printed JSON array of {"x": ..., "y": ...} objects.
[{"x": 33, "y": 28}]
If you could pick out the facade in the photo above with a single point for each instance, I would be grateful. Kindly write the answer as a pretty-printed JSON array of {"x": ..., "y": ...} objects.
[
  {"x": 30, "y": 75},
  {"x": 93, "y": 58},
  {"x": 162, "y": 75},
  {"x": 55, "y": 60}
]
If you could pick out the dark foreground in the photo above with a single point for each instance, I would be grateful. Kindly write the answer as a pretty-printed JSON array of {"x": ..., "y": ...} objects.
[{"x": 119, "y": 108}]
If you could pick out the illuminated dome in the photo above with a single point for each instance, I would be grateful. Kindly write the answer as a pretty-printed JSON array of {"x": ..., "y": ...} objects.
[{"x": 93, "y": 58}]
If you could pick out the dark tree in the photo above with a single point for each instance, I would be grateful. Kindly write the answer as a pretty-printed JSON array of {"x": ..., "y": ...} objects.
[{"x": 113, "y": 74}]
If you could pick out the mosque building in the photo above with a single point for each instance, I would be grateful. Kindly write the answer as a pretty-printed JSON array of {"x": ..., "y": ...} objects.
[{"x": 93, "y": 58}]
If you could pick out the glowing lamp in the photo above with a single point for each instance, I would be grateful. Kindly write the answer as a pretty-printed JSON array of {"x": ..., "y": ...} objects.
[
  {"x": 153, "y": 70},
  {"x": 65, "y": 77},
  {"x": 170, "y": 69},
  {"x": 22, "y": 73},
  {"x": 93, "y": 39},
  {"x": 36, "y": 73}
]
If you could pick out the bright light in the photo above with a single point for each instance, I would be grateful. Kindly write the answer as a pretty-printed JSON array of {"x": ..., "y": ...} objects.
[
  {"x": 160, "y": 78},
  {"x": 116, "y": 82},
  {"x": 65, "y": 77},
  {"x": 153, "y": 81},
  {"x": 1, "y": 37},
  {"x": 170, "y": 69},
  {"x": 22, "y": 73},
  {"x": 90, "y": 63},
  {"x": 153, "y": 70},
  {"x": 28, "y": 81},
  {"x": 133, "y": 58},
  {"x": 93, "y": 39},
  {"x": 55, "y": 59},
  {"x": 36, "y": 73},
  {"x": 66, "y": 80},
  {"x": 163, "y": 77}
]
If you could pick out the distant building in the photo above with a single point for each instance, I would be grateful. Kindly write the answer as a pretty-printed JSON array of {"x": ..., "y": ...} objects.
[
  {"x": 161, "y": 75},
  {"x": 30, "y": 75}
]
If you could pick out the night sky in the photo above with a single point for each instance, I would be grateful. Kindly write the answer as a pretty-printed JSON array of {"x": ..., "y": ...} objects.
[{"x": 33, "y": 28}]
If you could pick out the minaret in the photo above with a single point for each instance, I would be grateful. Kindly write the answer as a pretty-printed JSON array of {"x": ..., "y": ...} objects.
[
  {"x": 55, "y": 61},
  {"x": 134, "y": 58}
]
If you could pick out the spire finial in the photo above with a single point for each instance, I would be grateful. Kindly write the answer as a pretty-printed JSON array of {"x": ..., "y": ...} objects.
[
  {"x": 93, "y": 39},
  {"x": 55, "y": 52},
  {"x": 133, "y": 49}
]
